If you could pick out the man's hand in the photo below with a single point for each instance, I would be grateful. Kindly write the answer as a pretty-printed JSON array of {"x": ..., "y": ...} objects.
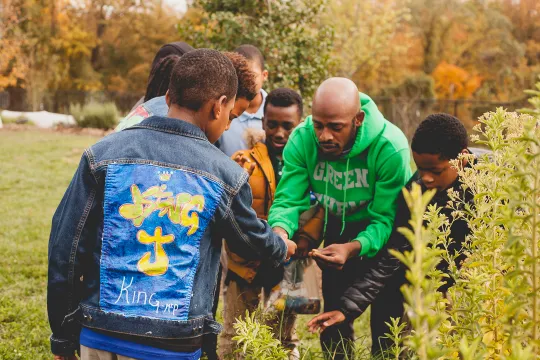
[
  {"x": 291, "y": 245},
  {"x": 244, "y": 162},
  {"x": 304, "y": 246},
  {"x": 70, "y": 357},
  {"x": 324, "y": 320},
  {"x": 336, "y": 255}
]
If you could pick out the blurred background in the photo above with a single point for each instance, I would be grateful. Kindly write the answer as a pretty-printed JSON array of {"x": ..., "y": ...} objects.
[{"x": 413, "y": 56}]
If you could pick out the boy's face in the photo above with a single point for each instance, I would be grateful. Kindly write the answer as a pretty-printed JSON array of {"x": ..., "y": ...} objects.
[
  {"x": 278, "y": 123},
  {"x": 261, "y": 75},
  {"x": 240, "y": 105},
  {"x": 221, "y": 114},
  {"x": 436, "y": 173}
]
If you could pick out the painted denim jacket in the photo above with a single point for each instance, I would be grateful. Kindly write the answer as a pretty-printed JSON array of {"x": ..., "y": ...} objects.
[{"x": 136, "y": 240}]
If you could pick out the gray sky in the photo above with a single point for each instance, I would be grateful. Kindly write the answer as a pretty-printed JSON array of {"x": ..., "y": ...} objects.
[{"x": 179, "y": 5}]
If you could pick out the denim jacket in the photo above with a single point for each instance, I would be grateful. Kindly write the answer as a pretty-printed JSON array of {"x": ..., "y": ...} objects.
[{"x": 136, "y": 240}]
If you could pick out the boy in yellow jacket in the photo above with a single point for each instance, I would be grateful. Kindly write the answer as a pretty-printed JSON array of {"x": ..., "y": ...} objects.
[{"x": 247, "y": 281}]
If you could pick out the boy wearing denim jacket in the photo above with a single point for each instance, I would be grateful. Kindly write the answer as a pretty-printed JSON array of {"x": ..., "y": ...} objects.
[{"x": 136, "y": 240}]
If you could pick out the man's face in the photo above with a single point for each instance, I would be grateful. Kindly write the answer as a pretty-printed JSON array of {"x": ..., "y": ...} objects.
[
  {"x": 278, "y": 123},
  {"x": 261, "y": 75},
  {"x": 217, "y": 126},
  {"x": 336, "y": 133},
  {"x": 435, "y": 172}
]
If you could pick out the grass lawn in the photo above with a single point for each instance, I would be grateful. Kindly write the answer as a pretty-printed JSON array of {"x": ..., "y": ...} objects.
[{"x": 35, "y": 169}]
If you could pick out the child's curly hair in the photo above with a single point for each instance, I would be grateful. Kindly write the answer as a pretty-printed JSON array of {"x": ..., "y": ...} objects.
[{"x": 247, "y": 87}]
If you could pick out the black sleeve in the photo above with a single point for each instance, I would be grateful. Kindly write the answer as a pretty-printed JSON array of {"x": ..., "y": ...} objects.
[{"x": 380, "y": 269}]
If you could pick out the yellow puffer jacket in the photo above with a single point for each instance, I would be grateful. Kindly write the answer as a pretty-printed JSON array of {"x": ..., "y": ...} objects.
[{"x": 263, "y": 188}]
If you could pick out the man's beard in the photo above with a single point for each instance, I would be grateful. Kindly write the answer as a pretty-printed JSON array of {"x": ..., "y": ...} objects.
[{"x": 344, "y": 152}]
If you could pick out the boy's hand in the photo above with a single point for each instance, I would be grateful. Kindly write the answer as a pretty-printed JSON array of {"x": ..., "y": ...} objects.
[
  {"x": 291, "y": 245},
  {"x": 324, "y": 320},
  {"x": 281, "y": 232},
  {"x": 304, "y": 247},
  {"x": 291, "y": 248},
  {"x": 336, "y": 255},
  {"x": 70, "y": 357},
  {"x": 242, "y": 161}
]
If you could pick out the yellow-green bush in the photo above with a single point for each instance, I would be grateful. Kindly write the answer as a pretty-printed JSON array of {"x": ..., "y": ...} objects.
[
  {"x": 493, "y": 310},
  {"x": 95, "y": 115}
]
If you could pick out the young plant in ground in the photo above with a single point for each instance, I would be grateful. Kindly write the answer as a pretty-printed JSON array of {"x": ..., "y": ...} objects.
[
  {"x": 256, "y": 341},
  {"x": 397, "y": 328},
  {"x": 423, "y": 302}
]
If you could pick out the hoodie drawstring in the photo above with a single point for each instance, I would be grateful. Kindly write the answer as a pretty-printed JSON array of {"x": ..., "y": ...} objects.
[
  {"x": 325, "y": 198},
  {"x": 345, "y": 197}
]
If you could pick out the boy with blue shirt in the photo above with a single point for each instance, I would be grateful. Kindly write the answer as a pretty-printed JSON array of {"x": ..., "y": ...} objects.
[
  {"x": 136, "y": 240},
  {"x": 247, "y": 91},
  {"x": 234, "y": 139}
]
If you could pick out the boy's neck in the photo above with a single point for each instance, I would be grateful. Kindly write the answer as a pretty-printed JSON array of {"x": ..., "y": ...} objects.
[
  {"x": 184, "y": 114},
  {"x": 255, "y": 104}
]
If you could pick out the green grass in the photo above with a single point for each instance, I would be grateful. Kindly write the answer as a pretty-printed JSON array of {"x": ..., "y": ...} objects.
[
  {"x": 35, "y": 169},
  {"x": 311, "y": 349}
]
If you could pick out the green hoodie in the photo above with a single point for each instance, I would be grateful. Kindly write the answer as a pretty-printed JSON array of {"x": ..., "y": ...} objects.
[{"x": 365, "y": 182}]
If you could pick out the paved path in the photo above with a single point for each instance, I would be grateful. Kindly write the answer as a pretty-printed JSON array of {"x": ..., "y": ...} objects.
[{"x": 42, "y": 119}]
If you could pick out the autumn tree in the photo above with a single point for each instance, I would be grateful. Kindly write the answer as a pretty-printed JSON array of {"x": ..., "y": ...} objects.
[
  {"x": 53, "y": 48},
  {"x": 432, "y": 21},
  {"x": 128, "y": 34},
  {"x": 453, "y": 82},
  {"x": 296, "y": 43},
  {"x": 11, "y": 46},
  {"x": 371, "y": 37}
]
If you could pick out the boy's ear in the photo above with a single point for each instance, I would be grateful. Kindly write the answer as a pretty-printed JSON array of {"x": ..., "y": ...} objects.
[
  {"x": 219, "y": 107},
  {"x": 265, "y": 75},
  {"x": 168, "y": 99}
]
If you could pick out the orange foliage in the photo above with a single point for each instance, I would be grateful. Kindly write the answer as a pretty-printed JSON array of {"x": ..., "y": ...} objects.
[
  {"x": 11, "y": 70},
  {"x": 453, "y": 82}
]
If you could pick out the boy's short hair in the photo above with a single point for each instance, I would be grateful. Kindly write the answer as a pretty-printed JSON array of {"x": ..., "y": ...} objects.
[
  {"x": 441, "y": 134},
  {"x": 284, "y": 97},
  {"x": 247, "y": 87},
  {"x": 251, "y": 53},
  {"x": 200, "y": 76}
]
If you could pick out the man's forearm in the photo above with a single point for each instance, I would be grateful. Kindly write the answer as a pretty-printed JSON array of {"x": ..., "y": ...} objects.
[{"x": 353, "y": 247}]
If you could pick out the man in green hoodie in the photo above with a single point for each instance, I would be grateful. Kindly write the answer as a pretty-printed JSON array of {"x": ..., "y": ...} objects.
[{"x": 356, "y": 162}]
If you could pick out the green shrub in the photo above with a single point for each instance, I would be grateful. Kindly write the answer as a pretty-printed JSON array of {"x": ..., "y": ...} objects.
[
  {"x": 256, "y": 341},
  {"x": 493, "y": 310},
  {"x": 95, "y": 115}
]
